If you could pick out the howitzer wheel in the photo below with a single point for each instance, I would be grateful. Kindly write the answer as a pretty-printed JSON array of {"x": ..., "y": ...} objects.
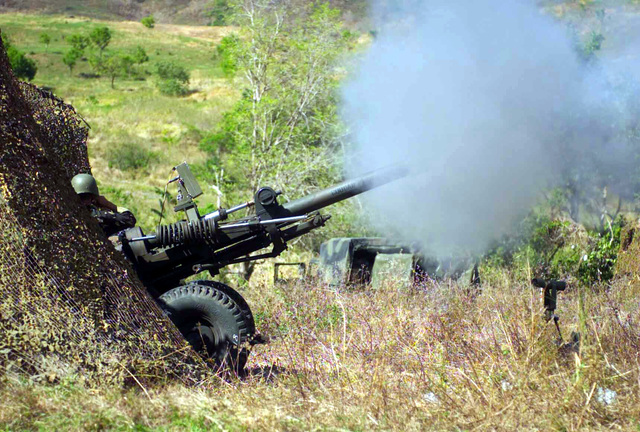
[{"x": 214, "y": 319}]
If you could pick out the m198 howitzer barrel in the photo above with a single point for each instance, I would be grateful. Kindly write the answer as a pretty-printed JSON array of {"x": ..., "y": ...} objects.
[{"x": 344, "y": 190}]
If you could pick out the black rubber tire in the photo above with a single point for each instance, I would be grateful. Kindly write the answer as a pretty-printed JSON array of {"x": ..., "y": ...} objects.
[{"x": 214, "y": 319}]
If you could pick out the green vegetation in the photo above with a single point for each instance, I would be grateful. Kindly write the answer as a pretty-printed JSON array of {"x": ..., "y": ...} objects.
[
  {"x": 22, "y": 66},
  {"x": 71, "y": 58},
  {"x": 79, "y": 42},
  {"x": 219, "y": 11},
  {"x": 130, "y": 156},
  {"x": 148, "y": 21},
  {"x": 285, "y": 129},
  {"x": 46, "y": 40},
  {"x": 116, "y": 65},
  {"x": 100, "y": 37},
  {"x": 173, "y": 79}
]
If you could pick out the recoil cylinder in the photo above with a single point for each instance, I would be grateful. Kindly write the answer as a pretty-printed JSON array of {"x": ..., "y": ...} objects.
[{"x": 183, "y": 233}]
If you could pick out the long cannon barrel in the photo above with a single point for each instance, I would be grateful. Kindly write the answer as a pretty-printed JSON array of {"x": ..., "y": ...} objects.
[{"x": 344, "y": 190}]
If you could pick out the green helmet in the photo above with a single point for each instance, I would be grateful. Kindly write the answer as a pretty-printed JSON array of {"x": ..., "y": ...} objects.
[{"x": 85, "y": 183}]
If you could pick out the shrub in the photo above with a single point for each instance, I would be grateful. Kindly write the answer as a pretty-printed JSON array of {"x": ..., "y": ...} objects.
[
  {"x": 219, "y": 11},
  {"x": 173, "y": 79},
  {"x": 46, "y": 40},
  {"x": 226, "y": 52},
  {"x": 140, "y": 55},
  {"x": 598, "y": 264},
  {"x": 148, "y": 21},
  {"x": 130, "y": 156},
  {"x": 23, "y": 67}
]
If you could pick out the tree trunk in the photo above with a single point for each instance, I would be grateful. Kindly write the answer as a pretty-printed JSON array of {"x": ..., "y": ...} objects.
[{"x": 65, "y": 293}]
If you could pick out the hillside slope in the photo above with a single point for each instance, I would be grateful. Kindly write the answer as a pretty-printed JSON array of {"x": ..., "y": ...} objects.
[{"x": 191, "y": 12}]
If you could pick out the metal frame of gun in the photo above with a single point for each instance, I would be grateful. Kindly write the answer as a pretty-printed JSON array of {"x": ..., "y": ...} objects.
[{"x": 211, "y": 241}]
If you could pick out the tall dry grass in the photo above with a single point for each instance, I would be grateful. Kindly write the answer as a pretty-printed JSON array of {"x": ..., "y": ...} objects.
[{"x": 438, "y": 357}]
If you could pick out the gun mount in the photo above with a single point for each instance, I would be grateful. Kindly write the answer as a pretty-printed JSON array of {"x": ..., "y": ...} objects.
[{"x": 213, "y": 317}]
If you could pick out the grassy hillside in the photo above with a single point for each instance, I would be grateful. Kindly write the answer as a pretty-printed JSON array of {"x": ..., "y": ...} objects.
[
  {"x": 132, "y": 124},
  {"x": 172, "y": 11},
  {"x": 191, "y": 12}
]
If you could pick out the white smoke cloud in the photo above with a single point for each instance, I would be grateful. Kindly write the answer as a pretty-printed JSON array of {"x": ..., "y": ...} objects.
[{"x": 490, "y": 100}]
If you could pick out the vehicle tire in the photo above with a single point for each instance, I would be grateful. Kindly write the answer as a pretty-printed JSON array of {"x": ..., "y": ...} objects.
[{"x": 214, "y": 319}]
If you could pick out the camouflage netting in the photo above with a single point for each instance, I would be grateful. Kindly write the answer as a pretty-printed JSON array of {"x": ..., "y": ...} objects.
[{"x": 69, "y": 303}]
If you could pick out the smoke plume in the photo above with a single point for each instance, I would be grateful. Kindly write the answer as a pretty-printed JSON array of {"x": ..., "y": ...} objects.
[{"x": 491, "y": 102}]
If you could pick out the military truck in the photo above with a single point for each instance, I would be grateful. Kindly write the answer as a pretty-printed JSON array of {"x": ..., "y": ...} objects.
[{"x": 381, "y": 262}]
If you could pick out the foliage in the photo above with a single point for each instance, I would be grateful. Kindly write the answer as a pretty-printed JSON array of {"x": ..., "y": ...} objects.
[
  {"x": 225, "y": 52},
  {"x": 148, "y": 21},
  {"x": 598, "y": 264},
  {"x": 100, "y": 37},
  {"x": 283, "y": 131},
  {"x": 78, "y": 41},
  {"x": 22, "y": 66},
  {"x": 71, "y": 57},
  {"x": 140, "y": 55},
  {"x": 173, "y": 79},
  {"x": 219, "y": 11},
  {"x": 556, "y": 247},
  {"x": 593, "y": 44},
  {"x": 130, "y": 156},
  {"x": 45, "y": 39},
  {"x": 117, "y": 65}
]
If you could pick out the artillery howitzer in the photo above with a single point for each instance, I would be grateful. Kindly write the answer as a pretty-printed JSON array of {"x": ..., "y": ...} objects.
[{"x": 213, "y": 317}]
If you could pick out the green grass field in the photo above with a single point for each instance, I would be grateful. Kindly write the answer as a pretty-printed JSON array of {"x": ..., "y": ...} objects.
[{"x": 132, "y": 122}]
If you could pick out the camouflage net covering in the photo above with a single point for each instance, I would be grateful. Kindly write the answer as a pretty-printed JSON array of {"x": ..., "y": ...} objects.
[{"x": 69, "y": 303}]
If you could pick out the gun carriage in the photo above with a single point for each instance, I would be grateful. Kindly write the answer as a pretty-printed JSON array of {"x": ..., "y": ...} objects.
[{"x": 214, "y": 318}]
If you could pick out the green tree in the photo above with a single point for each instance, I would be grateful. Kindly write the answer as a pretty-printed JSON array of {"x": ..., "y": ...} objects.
[
  {"x": 117, "y": 65},
  {"x": 46, "y": 40},
  {"x": 173, "y": 79},
  {"x": 285, "y": 129},
  {"x": 148, "y": 21},
  {"x": 78, "y": 42},
  {"x": 71, "y": 58},
  {"x": 287, "y": 120},
  {"x": 100, "y": 37}
]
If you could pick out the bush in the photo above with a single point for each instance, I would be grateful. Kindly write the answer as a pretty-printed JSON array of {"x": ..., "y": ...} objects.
[
  {"x": 598, "y": 264},
  {"x": 219, "y": 11},
  {"x": 23, "y": 67},
  {"x": 140, "y": 55},
  {"x": 173, "y": 79},
  {"x": 148, "y": 21},
  {"x": 130, "y": 156}
]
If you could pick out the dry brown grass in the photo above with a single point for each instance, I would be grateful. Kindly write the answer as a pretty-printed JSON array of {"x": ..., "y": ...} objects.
[{"x": 436, "y": 358}]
